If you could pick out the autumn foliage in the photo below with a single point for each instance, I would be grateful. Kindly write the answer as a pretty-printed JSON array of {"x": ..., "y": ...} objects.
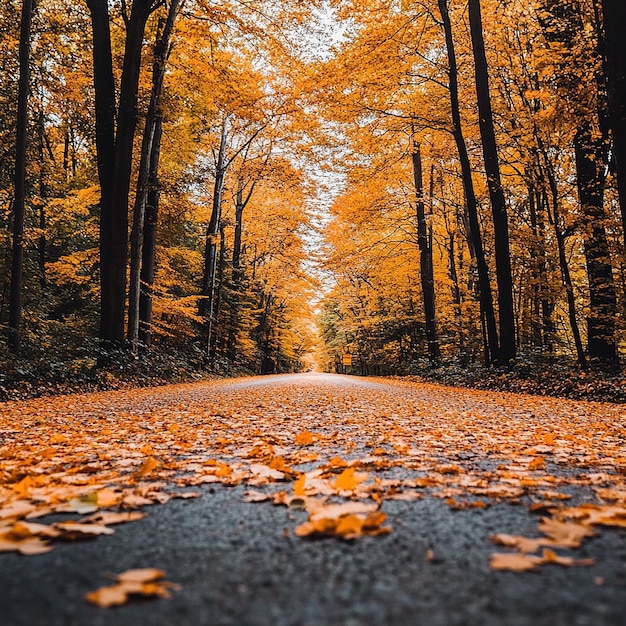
[{"x": 209, "y": 181}]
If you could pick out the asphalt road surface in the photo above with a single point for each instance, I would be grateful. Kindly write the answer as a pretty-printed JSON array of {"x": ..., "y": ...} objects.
[{"x": 240, "y": 563}]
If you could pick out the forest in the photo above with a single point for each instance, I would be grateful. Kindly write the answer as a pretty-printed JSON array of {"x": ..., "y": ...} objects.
[{"x": 193, "y": 186}]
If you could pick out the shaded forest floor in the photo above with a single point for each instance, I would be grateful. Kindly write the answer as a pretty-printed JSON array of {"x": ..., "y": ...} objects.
[
  {"x": 42, "y": 376},
  {"x": 561, "y": 379}
]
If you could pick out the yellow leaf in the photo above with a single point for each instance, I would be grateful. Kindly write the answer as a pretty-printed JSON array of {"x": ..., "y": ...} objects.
[
  {"x": 150, "y": 464},
  {"x": 304, "y": 438}
]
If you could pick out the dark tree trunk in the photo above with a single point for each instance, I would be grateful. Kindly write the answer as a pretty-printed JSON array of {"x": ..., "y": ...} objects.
[
  {"x": 614, "y": 19},
  {"x": 494, "y": 184},
  {"x": 485, "y": 295},
  {"x": 207, "y": 303},
  {"x": 104, "y": 87},
  {"x": 161, "y": 51},
  {"x": 236, "y": 278},
  {"x": 17, "y": 262},
  {"x": 115, "y": 155},
  {"x": 43, "y": 194},
  {"x": 148, "y": 256},
  {"x": 590, "y": 162},
  {"x": 219, "y": 290},
  {"x": 426, "y": 259}
]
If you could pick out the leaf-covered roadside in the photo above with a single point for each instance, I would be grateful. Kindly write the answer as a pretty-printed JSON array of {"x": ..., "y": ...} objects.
[
  {"x": 331, "y": 449},
  {"x": 561, "y": 379}
]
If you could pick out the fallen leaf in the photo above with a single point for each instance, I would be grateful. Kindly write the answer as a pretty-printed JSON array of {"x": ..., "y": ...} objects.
[
  {"x": 136, "y": 582},
  {"x": 514, "y": 562},
  {"x": 108, "y": 518},
  {"x": 564, "y": 534},
  {"x": 551, "y": 557},
  {"x": 349, "y": 479},
  {"x": 304, "y": 438}
]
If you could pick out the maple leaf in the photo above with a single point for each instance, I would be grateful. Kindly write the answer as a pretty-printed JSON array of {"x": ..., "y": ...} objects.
[
  {"x": 266, "y": 472},
  {"x": 523, "y": 544},
  {"x": 349, "y": 479},
  {"x": 565, "y": 534},
  {"x": 305, "y": 438}
]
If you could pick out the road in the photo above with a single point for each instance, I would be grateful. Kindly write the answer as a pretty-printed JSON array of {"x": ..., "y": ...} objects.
[{"x": 448, "y": 467}]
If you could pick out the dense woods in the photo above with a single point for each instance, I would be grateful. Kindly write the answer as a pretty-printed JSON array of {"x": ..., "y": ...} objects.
[{"x": 227, "y": 186}]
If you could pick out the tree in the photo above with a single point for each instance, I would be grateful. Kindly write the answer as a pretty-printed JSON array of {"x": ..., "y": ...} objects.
[
  {"x": 15, "y": 313},
  {"x": 485, "y": 295},
  {"x": 506, "y": 318},
  {"x": 148, "y": 157},
  {"x": 114, "y": 142},
  {"x": 613, "y": 18},
  {"x": 426, "y": 258}
]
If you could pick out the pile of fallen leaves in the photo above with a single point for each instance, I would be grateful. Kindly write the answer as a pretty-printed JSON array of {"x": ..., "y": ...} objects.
[{"x": 336, "y": 451}]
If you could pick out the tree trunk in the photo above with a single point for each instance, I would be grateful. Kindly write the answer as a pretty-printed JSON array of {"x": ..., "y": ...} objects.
[
  {"x": 115, "y": 155},
  {"x": 236, "y": 278},
  {"x": 590, "y": 161},
  {"x": 496, "y": 193},
  {"x": 614, "y": 18},
  {"x": 161, "y": 52},
  {"x": 219, "y": 290},
  {"x": 17, "y": 263},
  {"x": 207, "y": 303},
  {"x": 148, "y": 257},
  {"x": 43, "y": 194},
  {"x": 426, "y": 259},
  {"x": 104, "y": 87},
  {"x": 485, "y": 295}
]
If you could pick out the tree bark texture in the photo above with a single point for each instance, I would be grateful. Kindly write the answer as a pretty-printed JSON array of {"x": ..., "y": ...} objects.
[
  {"x": 426, "y": 258},
  {"x": 115, "y": 155},
  {"x": 485, "y": 295},
  {"x": 207, "y": 303},
  {"x": 148, "y": 253},
  {"x": 161, "y": 51},
  {"x": 614, "y": 19},
  {"x": 496, "y": 193},
  {"x": 17, "y": 261},
  {"x": 601, "y": 340}
]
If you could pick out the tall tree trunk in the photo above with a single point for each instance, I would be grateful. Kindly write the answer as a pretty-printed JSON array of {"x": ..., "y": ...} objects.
[
  {"x": 590, "y": 163},
  {"x": 161, "y": 52},
  {"x": 104, "y": 87},
  {"x": 614, "y": 18},
  {"x": 17, "y": 263},
  {"x": 219, "y": 290},
  {"x": 207, "y": 303},
  {"x": 148, "y": 256},
  {"x": 236, "y": 278},
  {"x": 426, "y": 258},
  {"x": 43, "y": 194},
  {"x": 115, "y": 155},
  {"x": 485, "y": 295},
  {"x": 494, "y": 184}
]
